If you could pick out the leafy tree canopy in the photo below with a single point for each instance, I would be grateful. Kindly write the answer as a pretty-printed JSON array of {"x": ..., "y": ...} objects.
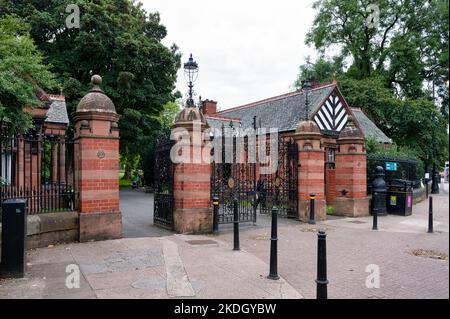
[
  {"x": 387, "y": 63},
  {"x": 120, "y": 41},
  {"x": 21, "y": 70}
]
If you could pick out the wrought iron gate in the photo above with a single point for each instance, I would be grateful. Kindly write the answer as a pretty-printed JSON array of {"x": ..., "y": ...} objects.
[
  {"x": 38, "y": 166},
  {"x": 257, "y": 193},
  {"x": 280, "y": 189},
  {"x": 164, "y": 170},
  {"x": 231, "y": 181},
  {"x": 242, "y": 188}
]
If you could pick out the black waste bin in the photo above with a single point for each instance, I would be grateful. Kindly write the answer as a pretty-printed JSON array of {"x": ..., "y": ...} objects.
[
  {"x": 14, "y": 230},
  {"x": 399, "y": 197}
]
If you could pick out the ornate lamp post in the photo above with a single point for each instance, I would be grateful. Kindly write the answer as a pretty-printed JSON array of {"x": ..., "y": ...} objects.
[
  {"x": 190, "y": 74},
  {"x": 306, "y": 86}
]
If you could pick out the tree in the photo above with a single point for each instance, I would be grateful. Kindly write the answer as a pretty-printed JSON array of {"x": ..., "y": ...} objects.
[
  {"x": 166, "y": 119},
  {"x": 394, "y": 50},
  {"x": 120, "y": 41},
  {"x": 323, "y": 70},
  {"x": 21, "y": 71},
  {"x": 404, "y": 41}
]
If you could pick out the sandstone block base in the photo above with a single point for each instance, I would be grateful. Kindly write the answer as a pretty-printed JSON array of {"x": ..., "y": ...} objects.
[
  {"x": 351, "y": 207},
  {"x": 100, "y": 226},
  {"x": 193, "y": 220},
  {"x": 320, "y": 213}
]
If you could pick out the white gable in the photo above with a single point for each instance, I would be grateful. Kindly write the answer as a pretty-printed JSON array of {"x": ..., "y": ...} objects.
[{"x": 332, "y": 115}]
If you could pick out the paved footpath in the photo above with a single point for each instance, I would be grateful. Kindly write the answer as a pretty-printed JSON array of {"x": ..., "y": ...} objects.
[
  {"x": 412, "y": 263},
  {"x": 407, "y": 256},
  {"x": 177, "y": 266}
]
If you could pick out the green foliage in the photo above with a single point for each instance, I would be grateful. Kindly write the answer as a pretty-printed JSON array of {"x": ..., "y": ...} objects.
[
  {"x": 409, "y": 44},
  {"x": 394, "y": 152},
  {"x": 391, "y": 67},
  {"x": 165, "y": 120},
  {"x": 120, "y": 41},
  {"x": 323, "y": 70},
  {"x": 21, "y": 71},
  {"x": 330, "y": 210}
]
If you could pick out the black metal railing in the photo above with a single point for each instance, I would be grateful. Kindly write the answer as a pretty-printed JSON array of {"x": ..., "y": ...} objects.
[
  {"x": 38, "y": 167},
  {"x": 405, "y": 169}
]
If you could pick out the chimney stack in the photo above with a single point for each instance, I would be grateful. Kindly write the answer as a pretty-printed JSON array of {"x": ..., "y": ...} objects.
[{"x": 209, "y": 107}]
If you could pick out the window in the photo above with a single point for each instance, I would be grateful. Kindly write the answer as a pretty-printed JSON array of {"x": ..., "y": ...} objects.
[{"x": 331, "y": 152}]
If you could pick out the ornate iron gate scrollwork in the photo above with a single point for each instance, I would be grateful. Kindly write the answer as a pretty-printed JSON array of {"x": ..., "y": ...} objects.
[
  {"x": 164, "y": 172},
  {"x": 252, "y": 192},
  {"x": 243, "y": 177},
  {"x": 281, "y": 187}
]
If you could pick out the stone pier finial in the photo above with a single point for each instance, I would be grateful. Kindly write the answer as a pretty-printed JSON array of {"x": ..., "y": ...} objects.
[
  {"x": 96, "y": 99},
  {"x": 351, "y": 131}
]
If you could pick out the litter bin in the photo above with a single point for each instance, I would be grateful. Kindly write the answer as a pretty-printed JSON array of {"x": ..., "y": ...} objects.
[
  {"x": 399, "y": 197},
  {"x": 14, "y": 230}
]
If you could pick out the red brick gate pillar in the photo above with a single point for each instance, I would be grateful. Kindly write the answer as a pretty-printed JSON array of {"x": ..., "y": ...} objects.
[
  {"x": 351, "y": 179},
  {"x": 311, "y": 177},
  {"x": 96, "y": 165},
  {"x": 192, "y": 173}
]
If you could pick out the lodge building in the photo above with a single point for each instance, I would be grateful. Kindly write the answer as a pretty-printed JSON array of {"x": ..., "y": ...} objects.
[{"x": 328, "y": 134}]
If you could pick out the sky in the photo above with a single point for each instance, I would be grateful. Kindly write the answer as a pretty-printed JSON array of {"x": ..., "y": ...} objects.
[{"x": 247, "y": 50}]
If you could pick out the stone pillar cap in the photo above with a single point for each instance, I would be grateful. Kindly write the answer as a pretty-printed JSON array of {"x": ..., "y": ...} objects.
[
  {"x": 308, "y": 130},
  {"x": 351, "y": 131},
  {"x": 188, "y": 115},
  {"x": 96, "y": 100}
]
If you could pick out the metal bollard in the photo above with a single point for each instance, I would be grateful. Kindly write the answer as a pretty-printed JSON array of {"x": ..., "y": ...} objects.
[
  {"x": 321, "y": 280},
  {"x": 375, "y": 218},
  {"x": 430, "y": 215},
  {"x": 312, "y": 198},
  {"x": 216, "y": 214},
  {"x": 236, "y": 225},
  {"x": 273, "y": 274}
]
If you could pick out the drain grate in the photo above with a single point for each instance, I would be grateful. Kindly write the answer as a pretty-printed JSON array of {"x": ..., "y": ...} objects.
[{"x": 202, "y": 242}]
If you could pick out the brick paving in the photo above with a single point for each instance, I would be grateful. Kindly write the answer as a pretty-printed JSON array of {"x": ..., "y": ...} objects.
[
  {"x": 352, "y": 246},
  {"x": 137, "y": 267}
]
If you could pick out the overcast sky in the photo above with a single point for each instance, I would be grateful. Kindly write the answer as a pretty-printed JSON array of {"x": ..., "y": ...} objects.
[{"x": 247, "y": 50}]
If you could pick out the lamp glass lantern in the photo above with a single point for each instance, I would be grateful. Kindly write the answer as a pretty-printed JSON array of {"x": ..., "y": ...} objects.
[
  {"x": 306, "y": 86},
  {"x": 190, "y": 74}
]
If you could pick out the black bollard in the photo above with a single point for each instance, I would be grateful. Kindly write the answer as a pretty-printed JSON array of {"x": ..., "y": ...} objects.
[
  {"x": 312, "y": 198},
  {"x": 273, "y": 274},
  {"x": 375, "y": 218},
  {"x": 321, "y": 280},
  {"x": 430, "y": 215},
  {"x": 216, "y": 214},
  {"x": 236, "y": 225},
  {"x": 379, "y": 192}
]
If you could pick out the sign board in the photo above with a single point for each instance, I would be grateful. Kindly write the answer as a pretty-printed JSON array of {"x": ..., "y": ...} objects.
[
  {"x": 393, "y": 201},
  {"x": 427, "y": 175},
  {"x": 391, "y": 166}
]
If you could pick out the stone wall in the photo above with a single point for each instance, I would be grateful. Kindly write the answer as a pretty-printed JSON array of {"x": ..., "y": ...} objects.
[{"x": 51, "y": 229}]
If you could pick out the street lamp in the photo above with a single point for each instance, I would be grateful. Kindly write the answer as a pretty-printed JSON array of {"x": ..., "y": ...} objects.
[
  {"x": 190, "y": 74},
  {"x": 306, "y": 86}
]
